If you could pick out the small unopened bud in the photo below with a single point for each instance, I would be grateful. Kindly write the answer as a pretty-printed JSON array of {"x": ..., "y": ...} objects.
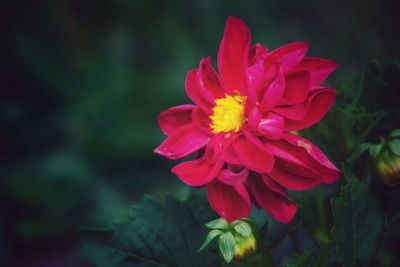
[
  {"x": 245, "y": 246},
  {"x": 387, "y": 166},
  {"x": 235, "y": 240}
]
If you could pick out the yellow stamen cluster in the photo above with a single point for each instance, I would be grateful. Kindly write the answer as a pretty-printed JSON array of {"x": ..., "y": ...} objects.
[{"x": 228, "y": 114}]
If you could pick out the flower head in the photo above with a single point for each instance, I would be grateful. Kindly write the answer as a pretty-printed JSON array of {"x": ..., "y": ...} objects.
[{"x": 242, "y": 123}]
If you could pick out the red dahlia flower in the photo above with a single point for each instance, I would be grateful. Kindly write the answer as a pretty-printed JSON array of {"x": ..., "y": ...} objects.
[{"x": 242, "y": 123}]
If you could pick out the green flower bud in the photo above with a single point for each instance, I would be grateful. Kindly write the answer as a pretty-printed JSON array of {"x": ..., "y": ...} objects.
[
  {"x": 235, "y": 240},
  {"x": 387, "y": 166}
]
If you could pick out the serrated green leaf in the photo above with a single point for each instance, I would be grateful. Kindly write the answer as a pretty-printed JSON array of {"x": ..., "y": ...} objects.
[
  {"x": 357, "y": 152},
  {"x": 386, "y": 259},
  {"x": 395, "y": 133},
  {"x": 366, "y": 122},
  {"x": 156, "y": 234},
  {"x": 243, "y": 229},
  {"x": 308, "y": 259},
  {"x": 226, "y": 244},
  {"x": 218, "y": 224},
  {"x": 358, "y": 223},
  {"x": 211, "y": 235},
  {"x": 348, "y": 175},
  {"x": 375, "y": 149},
  {"x": 394, "y": 146}
]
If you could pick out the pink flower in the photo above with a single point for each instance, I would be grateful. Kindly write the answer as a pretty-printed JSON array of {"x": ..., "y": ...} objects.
[{"x": 241, "y": 126}]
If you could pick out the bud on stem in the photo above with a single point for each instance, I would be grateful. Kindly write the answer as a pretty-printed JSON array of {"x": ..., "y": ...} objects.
[{"x": 235, "y": 240}]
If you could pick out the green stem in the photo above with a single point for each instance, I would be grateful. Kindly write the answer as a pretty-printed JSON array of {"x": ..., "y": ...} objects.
[
  {"x": 323, "y": 256},
  {"x": 309, "y": 216},
  {"x": 268, "y": 258},
  {"x": 283, "y": 234},
  {"x": 319, "y": 198}
]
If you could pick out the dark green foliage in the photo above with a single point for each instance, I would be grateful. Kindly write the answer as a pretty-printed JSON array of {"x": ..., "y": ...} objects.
[
  {"x": 156, "y": 234},
  {"x": 358, "y": 223},
  {"x": 307, "y": 259}
]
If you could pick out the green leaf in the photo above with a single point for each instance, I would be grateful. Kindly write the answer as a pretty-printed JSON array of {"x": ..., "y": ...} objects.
[
  {"x": 308, "y": 259},
  {"x": 395, "y": 133},
  {"x": 211, "y": 235},
  {"x": 156, "y": 234},
  {"x": 386, "y": 259},
  {"x": 226, "y": 244},
  {"x": 218, "y": 224},
  {"x": 357, "y": 152},
  {"x": 358, "y": 224},
  {"x": 394, "y": 146},
  {"x": 366, "y": 122},
  {"x": 243, "y": 229},
  {"x": 375, "y": 149},
  {"x": 347, "y": 173}
]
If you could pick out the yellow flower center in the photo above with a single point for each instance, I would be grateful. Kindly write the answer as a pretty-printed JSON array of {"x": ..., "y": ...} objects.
[{"x": 228, "y": 114}]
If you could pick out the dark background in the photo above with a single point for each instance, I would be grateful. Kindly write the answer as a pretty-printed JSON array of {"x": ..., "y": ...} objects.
[{"x": 82, "y": 84}]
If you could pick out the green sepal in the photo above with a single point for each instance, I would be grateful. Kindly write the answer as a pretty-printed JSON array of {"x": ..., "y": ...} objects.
[
  {"x": 220, "y": 223},
  {"x": 243, "y": 228},
  {"x": 226, "y": 244},
  {"x": 375, "y": 149},
  {"x": 394, "y": 146},
  {"x": 211, "y": 235},
  {"x": 395, "y": 133}
]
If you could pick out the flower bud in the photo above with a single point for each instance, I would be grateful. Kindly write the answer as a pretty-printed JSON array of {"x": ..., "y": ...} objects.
[
  {"x": 387, "y": 166},
  {"x": 235, "y": 240},
  {"x": 244, "y": 246}
]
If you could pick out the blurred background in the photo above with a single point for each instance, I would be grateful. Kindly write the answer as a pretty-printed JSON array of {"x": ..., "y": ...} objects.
[{"x": 83, "y": 82}]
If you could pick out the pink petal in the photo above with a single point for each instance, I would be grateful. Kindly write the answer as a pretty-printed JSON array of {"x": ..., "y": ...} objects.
[
  {"x": 274, "y": 91},
  {"x": 295, "y": 112},
  {"x": 230, "y": 202},
  {"x": 197, "y": 172},
  {"x": 231, "y": 157},
  {"x": 272, "y": 126},
  {"x": 298, "y": 153},
  {"x": 329, "y": 171},
  {"x": 253, "y": 119},
  {"x": 215, "y": 147},
  {"x": 233, "y": 56},
  {"x": 194, "y": 92},
  {"x": 229, "y": 154},
  {"x": 293, "y": 177},
  {"x": 209, "y": 80},
  {"x": 256, "y": 74},
  {"x": 273, "y": 199},
  {"x": 182, "y": 142},
  {"x": 201, "y": 119},
  {"x": 283, "y": 150},
  {"x": 174, "y": 118},
  {"x": 257, "y": 52},
  {"x": 253, "y": 157},
  {"x": 289, "y": 55},
  {"x": 319, "y": 68},
  {"x": 233, "y": 177},
  {"x": 297, "y": 87},
  {"x": 319, "y": 104}
]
